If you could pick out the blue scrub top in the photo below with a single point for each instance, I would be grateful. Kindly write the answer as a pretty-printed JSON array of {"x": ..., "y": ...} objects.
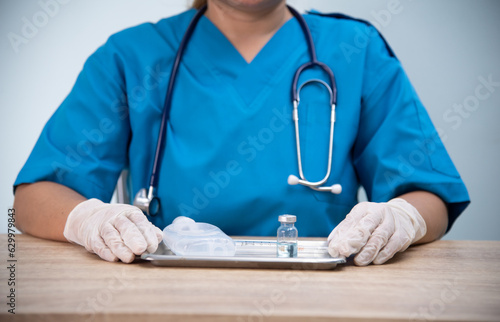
[{"x": 230, "y": 142}]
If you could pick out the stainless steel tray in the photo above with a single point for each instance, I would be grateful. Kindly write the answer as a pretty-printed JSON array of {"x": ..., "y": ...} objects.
[{"x": 250, "y": 253}]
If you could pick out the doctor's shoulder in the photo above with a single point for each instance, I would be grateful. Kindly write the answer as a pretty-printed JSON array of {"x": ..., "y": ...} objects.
[
  {"x": 353, "y": 35},
  {"x": 149, "y": 38}
]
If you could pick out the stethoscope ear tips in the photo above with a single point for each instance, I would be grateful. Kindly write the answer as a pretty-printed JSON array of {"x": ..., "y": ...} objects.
[
  {"x": 336, "y": 189},
  {"x": 293, "y": 180}
]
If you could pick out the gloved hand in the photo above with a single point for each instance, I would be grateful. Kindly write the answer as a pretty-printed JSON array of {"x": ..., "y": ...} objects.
[
  {"x": 112, "y": 231},
  {"x": 377, "y": 231}
]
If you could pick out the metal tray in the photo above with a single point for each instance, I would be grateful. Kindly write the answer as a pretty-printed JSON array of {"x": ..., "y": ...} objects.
[{"x": 253, "y": 253}]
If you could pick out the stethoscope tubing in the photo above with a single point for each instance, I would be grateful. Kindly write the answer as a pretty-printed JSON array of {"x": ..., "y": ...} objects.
[
  {"x": 313, "y": 62},
  {"x": 162, "y": 133}
]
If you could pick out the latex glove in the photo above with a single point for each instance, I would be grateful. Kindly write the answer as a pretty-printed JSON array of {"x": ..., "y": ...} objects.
[
  {"x": 112, "y": 231},
  {"x": 377, "y": 231}
]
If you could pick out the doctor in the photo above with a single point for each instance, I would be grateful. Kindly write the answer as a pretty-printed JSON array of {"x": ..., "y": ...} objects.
[{"x": 229, "y": 142}]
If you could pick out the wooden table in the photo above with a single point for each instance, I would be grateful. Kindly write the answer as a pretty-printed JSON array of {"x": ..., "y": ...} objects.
[{"x": 442, "y": 281}]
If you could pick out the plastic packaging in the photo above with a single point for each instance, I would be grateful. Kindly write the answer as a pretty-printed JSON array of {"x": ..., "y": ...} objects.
[{"x": 185, "y": 237}]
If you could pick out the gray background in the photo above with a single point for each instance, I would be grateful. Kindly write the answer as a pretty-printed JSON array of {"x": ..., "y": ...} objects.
[{"x": 444, "y": 45}]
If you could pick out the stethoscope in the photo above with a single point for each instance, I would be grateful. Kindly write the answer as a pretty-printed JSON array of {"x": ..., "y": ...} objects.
[{"x": 145, "y": 198}]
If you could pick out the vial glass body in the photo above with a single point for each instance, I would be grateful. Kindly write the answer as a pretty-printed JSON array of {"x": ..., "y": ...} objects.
[{"x": 287, "y": 239}]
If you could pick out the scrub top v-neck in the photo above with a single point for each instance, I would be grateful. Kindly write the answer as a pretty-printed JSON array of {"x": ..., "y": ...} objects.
[{"x": 238, "y": 124}]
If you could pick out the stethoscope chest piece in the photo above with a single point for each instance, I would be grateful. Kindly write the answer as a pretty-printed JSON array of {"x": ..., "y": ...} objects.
[{"x": 147, "y": 202}]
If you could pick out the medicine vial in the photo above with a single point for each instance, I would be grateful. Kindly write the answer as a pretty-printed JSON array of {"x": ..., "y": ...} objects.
[{"x": 287, "y": 236}]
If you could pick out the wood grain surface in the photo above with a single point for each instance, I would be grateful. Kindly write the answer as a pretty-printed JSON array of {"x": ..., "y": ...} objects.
[{"x": 441, "y": 281}]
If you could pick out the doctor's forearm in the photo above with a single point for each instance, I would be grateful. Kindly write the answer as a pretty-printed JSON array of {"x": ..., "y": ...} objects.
[
  {"x": 434, "y": 212},
  {"x": 43, "y": 207}
]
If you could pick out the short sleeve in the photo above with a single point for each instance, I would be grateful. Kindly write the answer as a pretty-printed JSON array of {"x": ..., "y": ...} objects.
[
  {"x": 84, "y": 144},
  {"x": 398, "y": 149}
]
